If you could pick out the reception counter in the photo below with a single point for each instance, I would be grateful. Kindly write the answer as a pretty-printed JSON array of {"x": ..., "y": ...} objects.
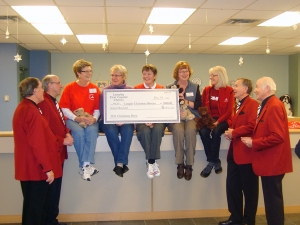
[{"x": 135, "y": 196}]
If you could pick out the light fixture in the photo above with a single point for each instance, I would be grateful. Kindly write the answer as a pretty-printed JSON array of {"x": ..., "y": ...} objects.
[
  {"x": 63, "y": 41},
  {"x": 285, "y": 19},
  {"x": 152, "y": 39},
  {"x": 46, "y": 19},
  {"x": 297, "y": 45},
  {"x": 238, "y": 40},
  {"x": 169, "y": 15},
  {"x": 17, "y": 56},
  {"x": 268, "y": 48},
  {"x": 53, "y": 29},
  {"x": 92, "y": 39}
]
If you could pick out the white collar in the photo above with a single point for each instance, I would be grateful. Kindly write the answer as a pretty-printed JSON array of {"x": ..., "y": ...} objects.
[{"x": 153, "y": 87}]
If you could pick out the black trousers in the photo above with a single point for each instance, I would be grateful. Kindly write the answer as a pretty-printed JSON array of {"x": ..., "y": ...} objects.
[
  {"x": 241, "y": 186},
  {"x": 273, "y": 198},
  {"x": 36, "y": 202},
  {"x": 54, "y": 201},
  {"x": 212, "y": 140}
]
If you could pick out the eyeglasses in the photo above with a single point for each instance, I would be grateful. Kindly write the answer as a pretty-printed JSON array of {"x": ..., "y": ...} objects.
[
  {"x": 184, "y": 71},
  {"x": 55, "y": 82},
  {"x": 213, "y": 75},
  {"x": 116, "y": 75},
  {"x": 87, "y": 71}
]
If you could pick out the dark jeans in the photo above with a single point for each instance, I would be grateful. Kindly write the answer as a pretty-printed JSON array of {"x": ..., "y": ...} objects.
[
  {"x": 119, "y": 148},
  {"x": 212, "y": 144}
]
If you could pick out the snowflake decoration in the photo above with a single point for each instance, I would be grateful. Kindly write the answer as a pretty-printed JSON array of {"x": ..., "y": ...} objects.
[
  {"x": 241, "y": 61},
  {"x": 7, "y": 33},
  {"x": 104, "y": 46},
  {"x": 151, "y": 29},
  {"x": 18, "y": 57},
  {"x": 147, "y": 53},
  {"x": 63, "y": 41}
]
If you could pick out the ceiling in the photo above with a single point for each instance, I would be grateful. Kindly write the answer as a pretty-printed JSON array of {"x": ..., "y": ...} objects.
[{"x": 124, "y": 20}]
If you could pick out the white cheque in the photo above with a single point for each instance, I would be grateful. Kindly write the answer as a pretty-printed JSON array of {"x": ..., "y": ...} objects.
[{"x": 140, "y": 106}]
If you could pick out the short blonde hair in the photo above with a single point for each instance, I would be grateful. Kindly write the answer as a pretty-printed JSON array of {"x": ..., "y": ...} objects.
[
  {"x": 222, "y": 74},
  {"x": 119, "y": 68},
  {"x": 79, "y": 65},
  {"x": 181, "y": 65}
]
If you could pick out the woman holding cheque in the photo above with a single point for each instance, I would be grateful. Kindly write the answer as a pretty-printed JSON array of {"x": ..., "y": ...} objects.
[{"x": 150, "y": 134}]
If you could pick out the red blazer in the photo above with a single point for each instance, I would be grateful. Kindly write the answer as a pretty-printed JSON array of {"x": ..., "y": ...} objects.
[
  {"x": 226, "y": 102},
  {"x": 58, "y": 127},
  {"x": 243, "y": 123},
  {"x": 271, "y": 141},
  {"x": 36, "y": 147}
]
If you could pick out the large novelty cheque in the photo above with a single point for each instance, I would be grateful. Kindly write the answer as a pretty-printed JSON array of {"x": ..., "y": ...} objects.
[{"x": 140, "y": 106}]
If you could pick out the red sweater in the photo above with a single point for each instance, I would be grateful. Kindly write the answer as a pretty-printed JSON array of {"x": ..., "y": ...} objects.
[
  {"x": 225, "y": 103},
  {"x": 36, "y": 147}
]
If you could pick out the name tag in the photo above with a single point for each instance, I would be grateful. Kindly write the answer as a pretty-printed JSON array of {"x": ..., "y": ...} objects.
[
  {"x": 189, "y": 94},
  {"x": 92, "y": 90}
]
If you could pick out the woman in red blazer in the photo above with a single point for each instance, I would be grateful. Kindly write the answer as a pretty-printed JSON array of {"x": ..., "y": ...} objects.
[
  {"x": 219, "y": 99},
  {"x": 37, "y": 156}
]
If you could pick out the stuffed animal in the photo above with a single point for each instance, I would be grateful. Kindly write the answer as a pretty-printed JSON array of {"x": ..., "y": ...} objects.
[
  {"x": 287, "y": 102},
  {"x": 205, "y": 119},
  {"x": 185, "y": 113},
  {"x": 80, "y": 112}
]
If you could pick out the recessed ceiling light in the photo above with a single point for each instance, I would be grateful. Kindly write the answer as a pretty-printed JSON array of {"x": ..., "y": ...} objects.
[
  {"x": 50, "y": 29},
  {"x": 40, "y": 14},
  {"x": 92, "y": 39},
  {"x": 238, "y": 40},
  {"x": 152, "y": 39},
  {"x": 169, "y": 15},
  {"x": 297, "y": 45},
  {"x": 46, "y": 19},
  {"x": 285, "y": 19}
]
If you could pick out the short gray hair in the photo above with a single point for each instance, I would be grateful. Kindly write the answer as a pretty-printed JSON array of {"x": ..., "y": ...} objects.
[
  {"x": 46, "y": 81},
  {"x": 27, "y": 86},
  {"x": 268, "y": 81}
]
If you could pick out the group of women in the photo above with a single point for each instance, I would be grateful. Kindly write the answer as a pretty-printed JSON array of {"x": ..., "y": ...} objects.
[{"x": 217, "y": 97}]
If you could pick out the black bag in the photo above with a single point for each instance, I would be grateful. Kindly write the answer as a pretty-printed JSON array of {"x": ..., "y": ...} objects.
[{"x": 297, "y": 149}]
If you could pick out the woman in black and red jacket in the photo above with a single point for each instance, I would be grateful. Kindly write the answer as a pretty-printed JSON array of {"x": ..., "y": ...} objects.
[{"x": 219, "y": 99}]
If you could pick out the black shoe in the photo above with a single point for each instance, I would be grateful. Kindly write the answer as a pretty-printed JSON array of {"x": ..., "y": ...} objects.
[
  {"x": 180, "y": 171},
  {"x": 118, "y": 171},
  {"x": 229, "y": 222},
  {"x": 125, "y": 169},
  {"x": 218, "y": 168},
  {"x": 207, "y": 170},
  {"x": 188, "y": 172}
]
